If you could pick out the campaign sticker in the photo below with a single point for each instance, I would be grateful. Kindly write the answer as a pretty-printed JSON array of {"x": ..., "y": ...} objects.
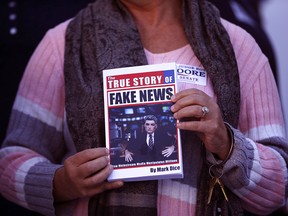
[{"x": 191, "y": 74}]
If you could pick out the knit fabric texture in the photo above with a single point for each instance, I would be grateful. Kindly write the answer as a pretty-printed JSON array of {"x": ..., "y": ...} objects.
[{"x": 104, "y": 36}]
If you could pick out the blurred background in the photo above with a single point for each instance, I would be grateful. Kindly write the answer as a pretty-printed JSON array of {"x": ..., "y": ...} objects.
[{"x": 274, "y": 19}]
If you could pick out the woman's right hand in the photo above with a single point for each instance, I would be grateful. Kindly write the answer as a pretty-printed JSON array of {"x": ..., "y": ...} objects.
[{"x": 84, "y": 175}]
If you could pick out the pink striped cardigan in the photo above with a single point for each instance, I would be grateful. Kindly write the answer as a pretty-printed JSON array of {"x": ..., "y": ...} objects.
[{"x": 38, "y": 141}]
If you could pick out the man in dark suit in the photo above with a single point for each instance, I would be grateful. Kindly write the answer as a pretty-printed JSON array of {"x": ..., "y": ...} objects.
[{"x": 152, "y": 145}]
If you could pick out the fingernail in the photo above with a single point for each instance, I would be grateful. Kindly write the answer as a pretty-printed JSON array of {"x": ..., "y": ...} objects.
[
  {"x": 175, "y": 115},
  {"x": 173, "y": 97}
]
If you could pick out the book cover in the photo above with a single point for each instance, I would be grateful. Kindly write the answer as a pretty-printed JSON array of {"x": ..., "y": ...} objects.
[{"x": 141, "y": 131}]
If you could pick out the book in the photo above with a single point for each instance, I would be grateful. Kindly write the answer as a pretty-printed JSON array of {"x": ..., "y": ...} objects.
[{"x": 140, "y": 129}]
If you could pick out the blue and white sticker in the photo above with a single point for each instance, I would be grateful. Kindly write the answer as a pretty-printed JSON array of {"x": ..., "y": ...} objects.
[{"x": 191, "y": 74}]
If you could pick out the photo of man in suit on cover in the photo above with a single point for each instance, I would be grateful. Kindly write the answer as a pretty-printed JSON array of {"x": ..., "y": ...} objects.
[{"x": 151, "y": 145}]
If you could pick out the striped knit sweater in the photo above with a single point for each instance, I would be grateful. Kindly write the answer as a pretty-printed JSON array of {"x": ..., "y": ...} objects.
[{"x": 38, "y": 141}]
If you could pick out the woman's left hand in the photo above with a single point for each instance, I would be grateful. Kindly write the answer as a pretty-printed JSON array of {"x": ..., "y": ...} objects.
[{"x": 209, "y": 126}]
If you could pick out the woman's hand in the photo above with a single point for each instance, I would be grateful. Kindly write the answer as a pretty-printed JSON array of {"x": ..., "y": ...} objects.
[
  {"x": 84, "y": 175},
  {"x": 210, "y": 126}
]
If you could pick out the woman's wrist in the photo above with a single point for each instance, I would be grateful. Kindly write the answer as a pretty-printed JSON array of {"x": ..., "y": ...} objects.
[{"x": 231, "y": 142}]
